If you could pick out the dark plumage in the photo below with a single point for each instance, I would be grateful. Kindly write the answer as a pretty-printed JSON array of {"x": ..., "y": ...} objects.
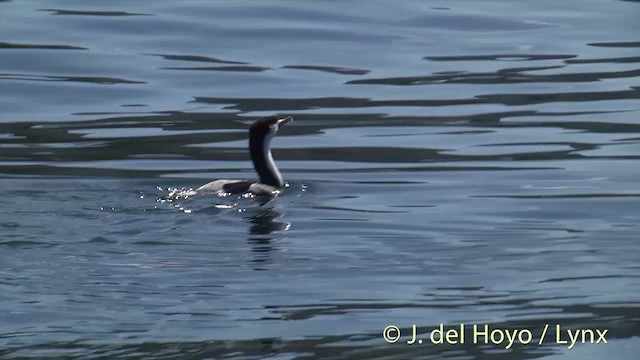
[{"x": 260, "y": 135}]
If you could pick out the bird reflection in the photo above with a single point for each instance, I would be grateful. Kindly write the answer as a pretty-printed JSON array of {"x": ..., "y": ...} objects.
[{"x": 263, "y": 229}]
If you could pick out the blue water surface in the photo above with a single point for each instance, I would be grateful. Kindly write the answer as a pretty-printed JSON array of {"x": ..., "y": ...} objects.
[{"x": 450, "y": 162}]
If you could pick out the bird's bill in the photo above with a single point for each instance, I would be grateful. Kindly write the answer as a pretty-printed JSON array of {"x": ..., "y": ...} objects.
[{"x": 285, "y": 121}]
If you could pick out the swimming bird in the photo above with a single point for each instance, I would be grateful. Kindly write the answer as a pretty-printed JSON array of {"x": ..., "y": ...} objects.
[{"x": 260, "y": 135}]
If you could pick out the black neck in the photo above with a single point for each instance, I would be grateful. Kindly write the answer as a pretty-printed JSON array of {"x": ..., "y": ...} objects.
[{"x": 259, "y": 148}]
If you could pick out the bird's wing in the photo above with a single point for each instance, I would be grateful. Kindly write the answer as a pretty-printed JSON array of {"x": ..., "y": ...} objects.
[
  {"x": 263, "y": 190},
  {"x": 229, "y": 186}
]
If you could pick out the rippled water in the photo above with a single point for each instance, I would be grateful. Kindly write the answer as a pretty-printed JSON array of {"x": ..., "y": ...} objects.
[{"x": 451, "y": 162}]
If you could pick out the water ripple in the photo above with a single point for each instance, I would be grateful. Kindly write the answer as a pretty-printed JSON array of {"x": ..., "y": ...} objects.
[
  {"x": 474, "y": 163},
  {"x": 91, "y": 12},
  {"x": 9, "y": 45}
]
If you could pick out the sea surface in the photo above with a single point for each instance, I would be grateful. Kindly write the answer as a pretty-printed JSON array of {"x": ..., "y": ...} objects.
[{"x": 467, "y": 162}]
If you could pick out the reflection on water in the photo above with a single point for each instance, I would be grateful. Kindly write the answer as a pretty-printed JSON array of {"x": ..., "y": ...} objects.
[
  {"x": 262, "y": 226},
  {"x": 468, "y": 162}
]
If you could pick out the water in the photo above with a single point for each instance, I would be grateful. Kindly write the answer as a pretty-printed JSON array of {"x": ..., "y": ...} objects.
[{"x": 451, "y": 162}]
